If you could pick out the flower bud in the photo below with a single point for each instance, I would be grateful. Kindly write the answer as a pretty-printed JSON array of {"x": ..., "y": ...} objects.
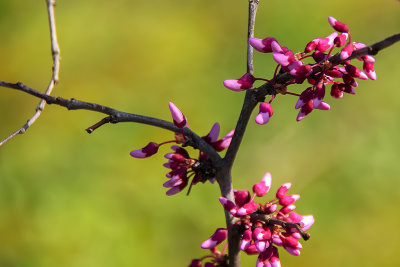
[
  {"x": 178, "y": 118},
  {"x": 265, "y": 113},
  {"x": 243, "y": 83},
  {"x": 219, "y": 236},
  {"x": 149, "y": 150},
  {"x": 337, "y": 25}
]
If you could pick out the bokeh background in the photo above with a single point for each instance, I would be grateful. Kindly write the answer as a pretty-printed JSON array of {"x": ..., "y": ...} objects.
[{"x": 68, "y": 198}]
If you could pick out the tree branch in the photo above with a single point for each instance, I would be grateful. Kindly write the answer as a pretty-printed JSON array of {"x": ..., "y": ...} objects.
[
  {"x": 55, "y": 51},
  {"x": 225, "y": 178},
  {"x": 116, "y": 116},
  {"x": 249, "y": 102}
]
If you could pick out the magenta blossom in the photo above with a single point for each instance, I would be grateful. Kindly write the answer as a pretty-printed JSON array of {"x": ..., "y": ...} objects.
[
  {"x": 322, "y": 74},
  {"x": 177, "y": 116},
  {"x": 184, "y": 167},
  {"x": 243, "y": 83},
  {"x": 265, "y": 226},
  {"x": 264, "y": 114}
]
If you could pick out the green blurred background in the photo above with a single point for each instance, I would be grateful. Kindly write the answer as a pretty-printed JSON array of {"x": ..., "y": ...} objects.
[{"x": 72, "y": 199}]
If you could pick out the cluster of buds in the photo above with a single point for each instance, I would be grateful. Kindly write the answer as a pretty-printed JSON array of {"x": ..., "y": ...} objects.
[
  {"x": 340, "y": 74},
  {"x": 266, "y": 226},
  {"x": 182, "y": 166}
]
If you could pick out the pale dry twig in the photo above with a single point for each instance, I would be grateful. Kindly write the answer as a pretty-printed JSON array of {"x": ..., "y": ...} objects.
[{"x": 55, "y": 51}]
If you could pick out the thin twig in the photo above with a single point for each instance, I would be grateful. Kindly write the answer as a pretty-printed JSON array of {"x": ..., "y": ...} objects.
[
  {"x": 98, "y": 124},
  {"x": 55, "y": 51},
  {"x": 249, "y": 102},
  {"x": 118, "y": 116}
]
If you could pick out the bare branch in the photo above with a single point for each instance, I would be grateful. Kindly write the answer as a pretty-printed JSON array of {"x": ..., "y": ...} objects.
[
  {"x": 116, "y": 116},
  {"x": 249, "y": 102},
  {"x": 55, "y": 51},
  {"x": 225, "y": 179}
]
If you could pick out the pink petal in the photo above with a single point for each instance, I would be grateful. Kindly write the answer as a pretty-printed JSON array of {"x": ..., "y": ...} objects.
[
  {"x": 149, "y": 150},
  {"x": 247, "y": 209},
  {"x": 173, "y": 191},
  {"x": 293, "y": 251},
  {"x": 261, "y": 245},
  {"x": 262, "y": 45},
  {"x": 281, "y": 59},
  {"x": 214, "y": 132},
  {"x": 307, "y": 221},
  {"x": 276, "y": 48},
  {"x": 227, "y": 204},
  {"x": 323, "y": 106},
  {"x": 341, "y": 39},
  {"x": 244, "y": 82},
  {"x": 262, "y": 118},
  {"x": 241, "y": 197},
  {"x": 287, "y": 200},
  {"x": 337, "y": 25},
  {"x": 261, "y": 188},
  {"x": 224, "y": 142},
  {"x": 177, "y": 116},
  {"x": 283, "y": 189},
  {"x": 219, "y": 236},
  {"x": 139, "y": 154},
  {"x": 295, "y": 217},
  {"x": 369, "y": 70},
  {"x": 287, "y": 209},
  {"x": 246, "y": 239},
  {"x": 346, "y": 51},
  {"x": 233, "y": 85},
  {"x": 311, "y": 45}
]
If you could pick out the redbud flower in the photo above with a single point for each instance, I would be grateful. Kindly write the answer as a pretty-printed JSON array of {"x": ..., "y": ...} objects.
[
  {"x": 243, "y": 83},
  {"x": 311, "y": 45},
  {"x": 212, "y": 138},
  {"x": 341, "y": 39},
  {"x": 261, "y": 188},
  {"x": 282, "y": 55},
  {"x": 150, "y": 149},
  {"x": 356, "y": 72},
  {"x": 337, "y": 25},
  {"x": 369, "y": 70},
  {"x": 325, "y": 44},
  {"x": 177, "y": 116},
  {"x": 264, "y": 114},
  {"x": 262, "y": 45},
  {"x": 319, "y": 74},
  {"x": 219, "y": 236},
  {"x": 346, "y": 52},
  {"x": 265, "y": 227}
]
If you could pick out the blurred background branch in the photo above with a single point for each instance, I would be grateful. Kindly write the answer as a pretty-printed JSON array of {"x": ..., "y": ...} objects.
[{"x": 55, "y": 51}]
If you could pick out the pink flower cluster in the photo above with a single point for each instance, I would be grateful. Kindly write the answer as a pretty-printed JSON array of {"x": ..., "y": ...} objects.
[
  {"x": 182, "y": 166},
  {"x": 264, "y": 226},
  {"x": 318, "y": 74}
]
